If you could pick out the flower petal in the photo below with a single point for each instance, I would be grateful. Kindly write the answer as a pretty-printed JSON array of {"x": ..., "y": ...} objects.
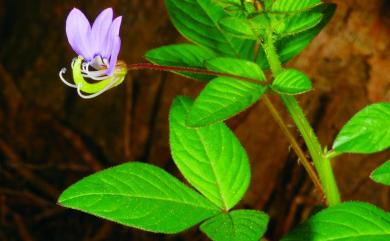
[
  {"x": 114, "y": 55},
  {"x": 111, "y": 38},
  {"x": 100, "y": 30},
  {"x": 78, "y": 31}
]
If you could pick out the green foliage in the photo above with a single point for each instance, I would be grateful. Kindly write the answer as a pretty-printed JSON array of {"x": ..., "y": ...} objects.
[
  {"x": 197, "y": 20},
  {"x": 238, "y": 67},
  {"x": 296, "y": 23},
  {"x": 221, "y": 99},
  {"x": 382, "y": 174},
  {"x": 237, "y": 8},
  {"x": 239, "y": 225},
  {"x": 210, "y": 158},
  {"x": 239, "y": 27},
  {"x": 291, "y": 44},
  {"x": 291, "y": 82},
  {"x": 139, "y": 195},
  {"x": 225, "y": 97},
  {"x": 367, "y": 132},
  {"x": 348, "y": 221},
  {"x": 182, "y": 55},
  {"x": 292, "y": 17},
  {"x": 293, "y": 5}
]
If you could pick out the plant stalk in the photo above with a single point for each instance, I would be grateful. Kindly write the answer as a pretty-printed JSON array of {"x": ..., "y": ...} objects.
[
  {"x": 321, "y": 162},
  {"x": 148, "y": 66},
  {"x": 295, "y": 146}
]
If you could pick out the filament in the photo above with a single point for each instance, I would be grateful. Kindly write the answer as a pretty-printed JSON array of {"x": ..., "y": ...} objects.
[{"x": 61, "y": 73}]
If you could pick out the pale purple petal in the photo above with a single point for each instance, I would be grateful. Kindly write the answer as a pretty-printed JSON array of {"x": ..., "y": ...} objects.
[
  {"x": 111, "y": 38},
  {"x": 116, "y": 25},
  {"x": 78, "y": 31},
  {"x": 114, "y": 54},
  {"x": 100, "y": 30}
]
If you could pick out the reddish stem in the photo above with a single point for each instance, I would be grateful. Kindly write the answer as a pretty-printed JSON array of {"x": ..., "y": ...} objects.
[{"x": 187, "y": 69}]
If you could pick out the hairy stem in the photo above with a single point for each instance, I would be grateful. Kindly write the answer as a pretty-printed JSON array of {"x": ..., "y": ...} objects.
[
  {"x": 321, "y": 162},
  {"x": 149, "y": 66},
  {"x": 295, "y": 146}
]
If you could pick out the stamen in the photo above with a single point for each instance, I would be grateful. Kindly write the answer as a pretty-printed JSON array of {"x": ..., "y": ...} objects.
[
  {"x": 94, "y": 72},
  {"x": 94, "y": 76},
  {"x": 73, "y": 61},
  {"x": 79, "y": 86},
  {"x": 61, "y": 73}
]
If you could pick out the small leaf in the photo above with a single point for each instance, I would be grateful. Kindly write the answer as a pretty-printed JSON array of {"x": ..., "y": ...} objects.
[
  {"x": 291, "y": 45},
  {"x": 301, "y": 22},
  {"x": 210, "y": 158},
  {"x": 347, "y": 221},
  {"x": 197, "y": 20},
  {"x": 238, "y": 67},
  {"x": 293, "y": 5},
  {"x": 291, "y": 82},
  {"x": 292, "y": 17},
  {"x": 182, "y": 55},
  {"x": 368, "y": 131},
  {"x": 382, "y": 174},
  {"x": 141, "y": 196},
  {"x": 239, "y": 27},
  {"x": 221, "y": 99},
  {"x": 239, "y": 225}
]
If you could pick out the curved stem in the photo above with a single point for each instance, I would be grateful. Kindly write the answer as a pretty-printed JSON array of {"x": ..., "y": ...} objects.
[
  {"x": 321, "y": 162},
  {"x": 294, "y": 144},
  {"x": 187, "y": 69}
]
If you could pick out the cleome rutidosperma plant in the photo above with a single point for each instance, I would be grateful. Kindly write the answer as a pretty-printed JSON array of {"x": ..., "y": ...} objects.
[{"x": 233, "y": 43}]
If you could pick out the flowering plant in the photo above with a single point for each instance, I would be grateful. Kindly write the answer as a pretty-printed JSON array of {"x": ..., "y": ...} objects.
[
  {"x": 97, "y": 48},
  {"x": 233, "y": 43}
]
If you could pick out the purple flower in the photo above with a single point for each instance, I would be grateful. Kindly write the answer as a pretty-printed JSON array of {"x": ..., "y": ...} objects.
[{"x": 99, "y": 45}]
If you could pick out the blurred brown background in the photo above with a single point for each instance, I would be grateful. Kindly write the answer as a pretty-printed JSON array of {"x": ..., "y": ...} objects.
[{"x": 50, "y": 138}]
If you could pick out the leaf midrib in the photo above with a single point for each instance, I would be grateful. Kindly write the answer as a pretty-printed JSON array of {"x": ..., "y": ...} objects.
[
  {"x": 62, "y": 202},
  {"x": 228, "y": 41},
  {"x": 217, "y": 181}
]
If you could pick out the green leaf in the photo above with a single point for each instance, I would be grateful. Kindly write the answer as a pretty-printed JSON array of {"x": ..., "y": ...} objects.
[
  {"x": 347, "y": 221},
  {"x": 139, "y": 195},
  {"x": 225, "y": 97},
  {"x": 239, "y": 27},
  {"x": 368, "y": 131},
  {"x": 292, "y": 17},
  {"x": 238, "y": 67},
  {"x": 182, "y": 55},
  {"x": 221, "y": 99},
  {"x": 229, "y": 3},
  {"x": 291, "y": 45},
  {"x": 382, "y": 174},
  {"x": 291, "y": 82},
  {"x": 240, "y": 225},
  {"x": 293, "y": 5},
  {"x": 300, "y": 22},
  {"x": 197, "y": 20},
  {"x": 210, "y": 158}
]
